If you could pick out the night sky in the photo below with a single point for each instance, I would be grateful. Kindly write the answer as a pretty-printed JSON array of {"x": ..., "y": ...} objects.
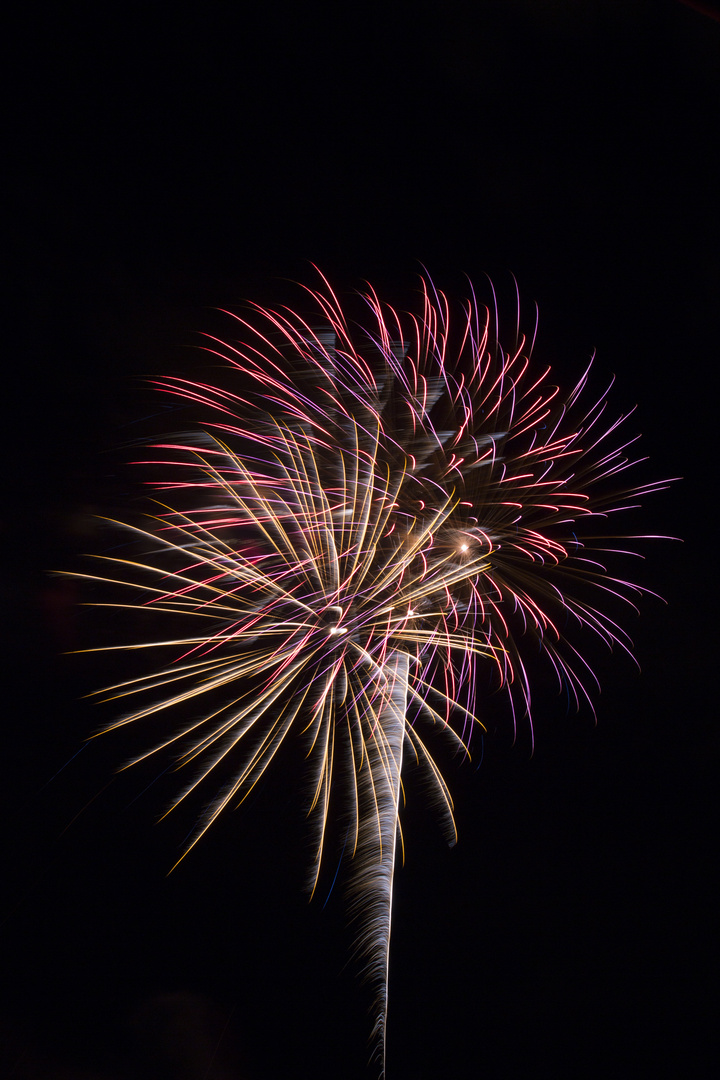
[{"x": 164, "y": 163}]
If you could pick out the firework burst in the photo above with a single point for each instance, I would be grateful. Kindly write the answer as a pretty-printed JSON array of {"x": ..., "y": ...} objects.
[{"x": 363, "y": 519}]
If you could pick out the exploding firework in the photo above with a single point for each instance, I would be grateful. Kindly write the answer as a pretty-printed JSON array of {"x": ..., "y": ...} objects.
[{"x": 363, "y": 519}]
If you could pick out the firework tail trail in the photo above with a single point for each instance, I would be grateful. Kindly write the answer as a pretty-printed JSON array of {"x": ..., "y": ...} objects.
[
  {"x": 360, "y": 528},
  {"x": 372, "y": 886}
]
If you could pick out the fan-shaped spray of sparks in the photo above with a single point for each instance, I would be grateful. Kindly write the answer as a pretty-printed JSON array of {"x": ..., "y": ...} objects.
[{"x": 367, "y": 517}]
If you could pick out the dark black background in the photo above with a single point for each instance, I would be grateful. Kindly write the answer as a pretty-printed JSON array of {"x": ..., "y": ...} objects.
[{"x": 166, "y": 161}]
